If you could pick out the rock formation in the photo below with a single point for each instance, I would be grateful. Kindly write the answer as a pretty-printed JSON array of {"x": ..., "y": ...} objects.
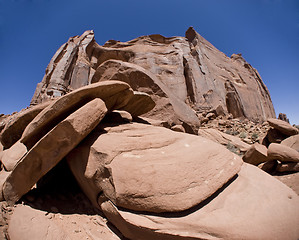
[
  {"x": 184, "y": 75},
  {"x": 145, "y": 174}
]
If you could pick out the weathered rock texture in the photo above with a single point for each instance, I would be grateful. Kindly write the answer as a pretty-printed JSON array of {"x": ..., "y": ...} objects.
[
  {"x": 148, "y": 168},
  {"x": 185, "y": 75},
  {"x": 233, "y": 214},
  {"x": 55, "y": 145}
]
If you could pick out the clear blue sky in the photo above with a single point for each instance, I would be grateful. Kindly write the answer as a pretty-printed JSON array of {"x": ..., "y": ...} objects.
[{"x": 266, "y": 32}]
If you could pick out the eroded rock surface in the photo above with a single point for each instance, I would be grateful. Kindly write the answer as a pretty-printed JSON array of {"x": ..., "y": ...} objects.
[
  {"x": 147, "y": 168},
  {"x": 222, "y": 217},
  {"x": 52, "y": 148},
  {"x": 184, "y": 71}
]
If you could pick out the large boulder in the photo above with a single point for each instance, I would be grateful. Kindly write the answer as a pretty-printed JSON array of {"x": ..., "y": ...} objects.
[
  {"x": 241, "y": 210},
  {"x": 148, "y": 168},
  {"x": 283, "y": 127},
  {"x": 282, "y": 153},
  {"x": 54, "y": 146},
  {"x": 256, "y": 154}
]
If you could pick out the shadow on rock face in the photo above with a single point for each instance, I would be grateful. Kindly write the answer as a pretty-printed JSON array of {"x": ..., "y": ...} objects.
[
  {"x": 58, "y": 191},
  {"x": 188, "y": 211}
]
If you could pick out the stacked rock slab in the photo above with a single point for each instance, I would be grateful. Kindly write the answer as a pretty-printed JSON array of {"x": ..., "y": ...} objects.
[
  {"x": 13, "y": 130},
  {"x": 190, "y": 71},
  {"x": 56, "y": 130},
  {"x": 282, "y": 157},
  {"x": 52, "y": 148}
]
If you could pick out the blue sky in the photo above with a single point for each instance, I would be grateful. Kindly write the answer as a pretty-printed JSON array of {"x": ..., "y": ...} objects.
[{"x": 266, "y": 32}]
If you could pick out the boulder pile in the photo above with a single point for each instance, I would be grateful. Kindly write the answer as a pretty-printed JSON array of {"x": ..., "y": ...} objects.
[
  {"x": 282, "y": 154},
  {"x": 150, "y": 182},
  {"x": 145, "y": 177}
]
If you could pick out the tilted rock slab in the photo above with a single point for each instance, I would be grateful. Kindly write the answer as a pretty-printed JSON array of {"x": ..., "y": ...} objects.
[
  {"x": 189, "y": 68},
  {"x": 242, "y": 210},
  {"x": 168, "y": 106},
  {"x": 292, "y": 142},
  {"x": 148, "y": 168},
  {"x": 115, "y": 94},
  {"x": 283, "y": 127},
  {"x": 18, "y": 122},
  {"x": 282, "y": 153},
  {"x": 223, "y": 138},
  {"x": 52, "y": 148}
]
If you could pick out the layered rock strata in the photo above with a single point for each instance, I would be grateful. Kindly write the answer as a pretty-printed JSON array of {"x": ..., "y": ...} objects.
[{"x": 184, "y": 75}]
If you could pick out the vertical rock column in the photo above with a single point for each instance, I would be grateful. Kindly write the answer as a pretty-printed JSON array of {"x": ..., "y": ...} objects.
[{"x": 67, "y": 70}]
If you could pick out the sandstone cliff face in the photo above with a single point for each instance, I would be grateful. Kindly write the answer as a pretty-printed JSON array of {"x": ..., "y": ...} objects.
[{"x": 184, "y": 75}]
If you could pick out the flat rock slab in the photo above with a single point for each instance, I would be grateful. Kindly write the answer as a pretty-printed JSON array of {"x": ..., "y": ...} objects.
[
  {"x": 34, "y": 224},
  {"x": 147, "y": 168},
  {"x": 65, "y": 105},
  {"x": 292, "y": 142},
  {"x": 282, "y": 153},
  {"x": 52, "y": 148},
  {"x": 223, "y": 138},
  {"x": 27, "y": 223},
  {"x": 254, "y": 206},
  {"x": 18, "y": 122},
  {"x": 283, "y": 127}
]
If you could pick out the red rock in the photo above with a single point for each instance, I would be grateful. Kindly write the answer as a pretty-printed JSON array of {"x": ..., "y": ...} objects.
[
  {"x": 256, "y": 154},
  {"x": 11, "y": 156},
  {"x": 269, "y": 166},
  {"x": 178, "y": 128},
  {"x": 168, "y": 106},
  {"x": 3, "y": 176},
  {"x": 283, "y": 127},
  {"x": 275, "y": 136},
  {"x": 223, "y": 138},
  {"x": 153, "y": 169},
  {"x": 68, "y": 69},
  {"x": 17, "y": 123},
  {"x": 54, "y": 146},
  {"x": 139, "y": 104},
  {"x": 27, "y": 223},
  {"x": 292, "y": 142},
  {"x": 242, "y": 210},
  {"x": 282, "y": 153},
  {"x": 109, "y": 92},
  {"x": 188, "y": 69}
]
